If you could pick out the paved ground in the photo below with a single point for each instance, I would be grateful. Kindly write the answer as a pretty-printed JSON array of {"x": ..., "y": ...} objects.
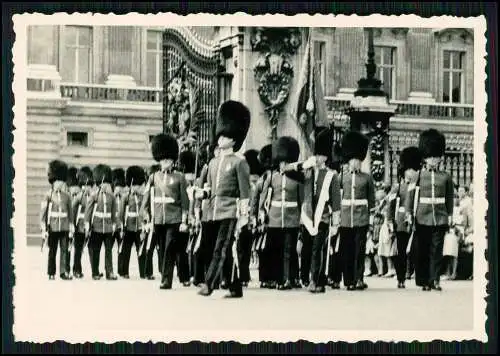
[{"x": 87, "y": 306}]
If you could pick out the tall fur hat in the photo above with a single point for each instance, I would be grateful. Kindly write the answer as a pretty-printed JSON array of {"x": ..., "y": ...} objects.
[
  {"x": 72, "y": 177},
  {"x": 102, "y": 174},
  {"x": 285, "y": 149},
  {"x": 354, "y": 146},
  {"x": 164, "y": 146},
  {"x": 134, "y": 176},
  {"x": 336, "y": 161},
  {"x": 84, "y": 176},
  {"x": 118, "y": 175},
  {"x": 266, "y": 156},
  {"x": 233, "y": 121},
  {"x": 58, "y": 170},
  {"x": 252, "y": 158},
  {"x": 187, "y": 162},
  {"x": 410, "y": 158},
  {"x": 432, "y": 143},
  {"x": 323, "y": 143}
]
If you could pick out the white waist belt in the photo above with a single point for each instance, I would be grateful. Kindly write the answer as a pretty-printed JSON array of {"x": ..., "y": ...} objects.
[
  {"x": 432, "y": 200},
  {"x": 349, "y": 202},
  {"x": 164, "y": 200},
  {"x": 99, "y": 214},
  {"x": 286, "y": 204},
  {"x": 132, "y": 215},
  {"x": 56, "y": 214},
  {"x": 80, "y": 216},
  {"x": 401, "y": 209}
]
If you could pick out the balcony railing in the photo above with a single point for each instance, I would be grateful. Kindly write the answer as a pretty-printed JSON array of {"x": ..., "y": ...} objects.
[{"x": 95, "y": 92}]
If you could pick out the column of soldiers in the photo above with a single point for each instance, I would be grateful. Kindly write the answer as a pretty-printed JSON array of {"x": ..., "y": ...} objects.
[{"x": 307, "y": 222}]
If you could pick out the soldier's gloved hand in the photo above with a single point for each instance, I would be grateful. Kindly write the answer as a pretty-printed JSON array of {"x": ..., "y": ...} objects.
[
  {"x": 334, "y": 229},
  {"x": 390, "y": 227},
  {"x": 183, "y": 227},
  {"x": 87, "y": 228},
  {"x": 309, "y": 163},
  {"x": 113, "y": 228}
]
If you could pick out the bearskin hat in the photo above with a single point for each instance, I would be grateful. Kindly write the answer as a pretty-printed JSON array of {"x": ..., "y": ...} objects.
[
  {"x": 72, "y": 179},
  {"x": 164, "y": 146},
  {"x": 134, "y": 176},
  {"x": 266, "y": 156},
  {"x": 58, "y": 170},
  {"x": 233, "y": 121},
  {"x": 118, "y": 175},
  {"x": 285, "y": 149},
  {"x": 336, "y": 161},
  {"x": 432, "y": 143},
  {"x": 323, "y": 143},
  {"x": 153, "y": 169},
  {"x": 187, "y": 162},
  {"x": 252, "y": 158},
  {"x": 354, "y": 146},
  {"x": 102, "y": 174},
  {"x": 410, "y": 158},
  {"x": 84, "y": 176}
]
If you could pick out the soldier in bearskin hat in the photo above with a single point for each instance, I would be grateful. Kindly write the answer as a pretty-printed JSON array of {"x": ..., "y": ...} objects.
[
  {"x": 129, "y": 220},
  {"x": 165, "y": 207},
  {"x": 284, "y": 194},
  {"x": 357, "y": 204},
  {"x": 118, "y": 184},
  {"x": 55, "y": 218},
  {"x": 101, "y": 221},
  {"x": 85, "y": 182},
  {"x": 430, "y": 208},
  {"x": 228, "y": 191},
  {"x": 321, "y": 209},
  {"x": 73, "y": 189},
  {"x": 410, "y": 163}
]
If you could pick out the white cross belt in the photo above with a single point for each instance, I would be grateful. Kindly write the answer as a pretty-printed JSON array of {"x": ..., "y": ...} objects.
[
  {"x": 132, "y": 215},
  {"x": 286, "y": 204},
  {"x": 424, "y": 200},
  {"x": 349, "y": 202},
  {"x": 102, "y": 215},
  {"x": 164, "y": 200}
]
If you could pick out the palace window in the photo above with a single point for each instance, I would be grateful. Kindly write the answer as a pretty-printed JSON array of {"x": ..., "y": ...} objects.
[
  {"x": 78, "y": 139},
  {"x": 154, "y": 62},
  {"x": 453, "y": 76},
  {"x": 386, "y": 64},
  {"x": 320, "y": 61},
  {"x": 77, "y": 59}
]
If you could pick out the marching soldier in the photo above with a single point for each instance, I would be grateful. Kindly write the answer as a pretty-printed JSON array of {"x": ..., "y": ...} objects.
[
  {"x": 118, "y": 184},
  {"x": 165, "y": 207},
  {"x": 55, "y": 219},
  {"x": 410, "y": 162},
  {"x": 430, "y": 208},
  {"x": 229, "y": 191},
  {"x": 187, "y": 163},
  {"x": 286, "y": 195},
  {"x": 85, "y": 182},
  {"x": 130, "y": 221},
  {"x": 100, "y": 222},
  {"x": 247, "y": 234},
  {"x": 74, "y": 190},
  {"x": 321, "y": 210},
  {"x": 358, "y": 201}
]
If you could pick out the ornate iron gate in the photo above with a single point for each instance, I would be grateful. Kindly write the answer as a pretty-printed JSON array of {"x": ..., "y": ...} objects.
[{"x": 190, "y": 93}]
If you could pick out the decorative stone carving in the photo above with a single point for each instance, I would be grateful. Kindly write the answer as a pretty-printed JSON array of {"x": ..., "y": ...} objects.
[
  {"x": 463, "y": 35},
  {"x": 273, "y": 70},
  {"x": 399, "y": 32}
]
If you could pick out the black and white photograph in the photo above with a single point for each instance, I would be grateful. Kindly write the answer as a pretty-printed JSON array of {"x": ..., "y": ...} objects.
[{"x": 249, "y": 178}]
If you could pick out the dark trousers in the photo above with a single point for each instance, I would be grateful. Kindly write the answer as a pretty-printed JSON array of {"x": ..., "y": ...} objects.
[
  {"x": 78, "y": 242},
  {"x": 335, "y": 263},
  {"x": 428, "y": 253},
  {"x": 276, "y": 248},
  {"x": 166, "y": 236},
  {"x": 181, "y": 256},
  {"x": 400, "y": 261},
  {"x": 285, "y": 258},
  {"x": 305, "y": 257},
  {"x": 222, "y": 260},
  {"x": 352, "y": 249},
  {"x": 96, "y": 241},
  {"x": 56, "y": 239},
  {"x": 203, "y": 256},
  {"x": 148, "y": 259},
  {"x": 245, "y": 253},
  {"x": 318, "y": 257},
  {"x": 265, "y": 259},
  {"x": 130, "y": 238}
]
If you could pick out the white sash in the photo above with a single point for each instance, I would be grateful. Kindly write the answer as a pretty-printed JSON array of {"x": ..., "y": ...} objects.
[{"x": 313, "y": 226}]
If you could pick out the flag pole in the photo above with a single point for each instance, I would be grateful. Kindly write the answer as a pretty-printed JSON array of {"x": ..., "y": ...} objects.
[{"x": 312, "y": 138}]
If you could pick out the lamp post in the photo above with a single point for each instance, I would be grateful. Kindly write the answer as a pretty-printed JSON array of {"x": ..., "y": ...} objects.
[{"x": 370, "y": 113}]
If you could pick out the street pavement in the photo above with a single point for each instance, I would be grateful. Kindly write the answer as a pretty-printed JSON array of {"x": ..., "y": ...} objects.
[{"x": 87, "y": 306}]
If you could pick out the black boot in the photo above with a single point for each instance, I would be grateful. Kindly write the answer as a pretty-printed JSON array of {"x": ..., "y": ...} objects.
[
  {"x": 436, "y": 286},
  {"x": 205, "y": 291}
]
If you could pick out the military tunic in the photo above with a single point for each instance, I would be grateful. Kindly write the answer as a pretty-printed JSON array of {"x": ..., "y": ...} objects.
[{"x": 79, "y": 206}]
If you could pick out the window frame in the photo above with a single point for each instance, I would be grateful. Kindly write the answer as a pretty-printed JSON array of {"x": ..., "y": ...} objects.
[
  {"x": 144, "y": 57},
  {"x": 92, "y": 52},
  {"x": 80, "y": 129},
  {"x": 382, "y": 66},
  {"x": 451, "y": 70},
  {"x": 322, "y": 62}
]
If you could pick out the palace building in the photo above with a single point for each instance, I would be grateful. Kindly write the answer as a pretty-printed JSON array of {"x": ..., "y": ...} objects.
[{"x": 96, "y": 93}]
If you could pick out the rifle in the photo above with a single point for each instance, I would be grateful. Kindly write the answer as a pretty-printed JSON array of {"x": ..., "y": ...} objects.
[
  {"x": 328, "y": 244},
  {"x": 122, "y": 232},
  {"x": 152, "y": 208},
  {"x": 46, "y": 231},
  {"x": 261, "y": 244},
  {"x": 87, "y": 233},
  {"x": 337, "y": 243},
  {"x": 413, "y": 223}
]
